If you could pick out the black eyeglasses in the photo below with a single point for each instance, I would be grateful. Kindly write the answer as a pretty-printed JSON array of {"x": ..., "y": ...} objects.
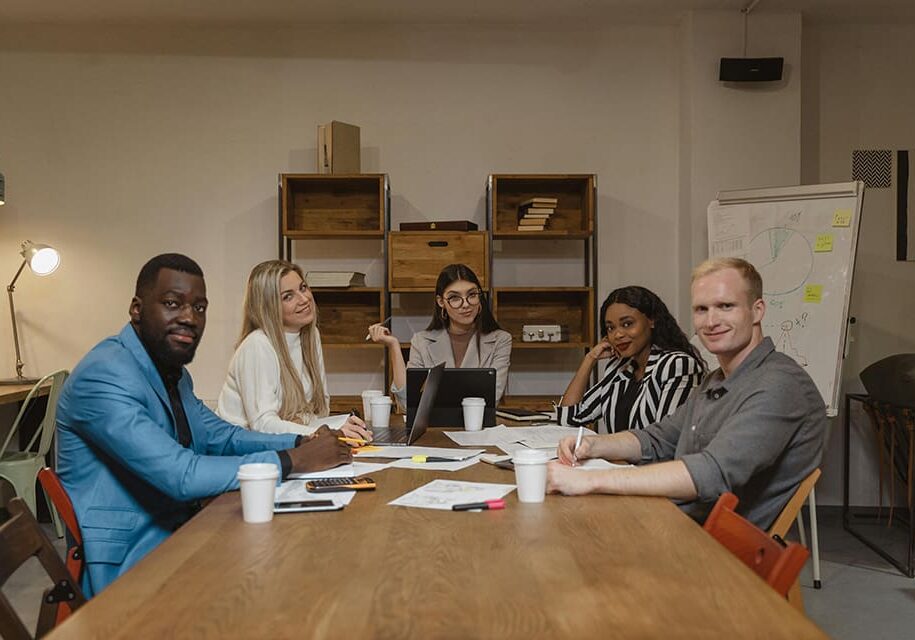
[{"x": 455, "y": 301}]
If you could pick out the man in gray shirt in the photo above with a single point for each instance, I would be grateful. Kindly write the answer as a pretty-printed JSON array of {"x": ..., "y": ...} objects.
[{"x": 755, "y": 427}]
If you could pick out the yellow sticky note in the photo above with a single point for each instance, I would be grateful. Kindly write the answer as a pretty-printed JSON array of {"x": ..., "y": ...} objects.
[
  {"x": 841, "y": 218},
  {"x": 366, "y": 449},
  {"x": 813, "y": 293},
  {"x": 823, "y": 243}
]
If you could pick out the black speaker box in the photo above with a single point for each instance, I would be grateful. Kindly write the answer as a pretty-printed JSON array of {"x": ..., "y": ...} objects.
[{"x": 750, "y": 69}]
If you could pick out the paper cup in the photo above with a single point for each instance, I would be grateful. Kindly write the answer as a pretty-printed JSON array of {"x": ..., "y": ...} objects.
[
  {"x": 381, "y": 412},
  {"x": 258, "y": 487},
  {"x": 367, "y": 396},
  {"x": 473, "y": 413},
  {"x": 530, "y": 474}
]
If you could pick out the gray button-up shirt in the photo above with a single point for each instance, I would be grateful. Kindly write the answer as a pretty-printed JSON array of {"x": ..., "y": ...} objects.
[{"x": 756, "y": 433}]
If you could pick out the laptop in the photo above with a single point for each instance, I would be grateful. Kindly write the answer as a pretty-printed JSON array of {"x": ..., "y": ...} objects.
[
  {"x": 402, "y": 437},
  {"x": 456, "y": 384}
]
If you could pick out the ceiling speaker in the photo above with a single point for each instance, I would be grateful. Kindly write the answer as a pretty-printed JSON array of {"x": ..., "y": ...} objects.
[{"x": 750, "y": 69}]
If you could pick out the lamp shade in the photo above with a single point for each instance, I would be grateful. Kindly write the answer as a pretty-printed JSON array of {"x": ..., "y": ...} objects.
[{"x": 43, "y": 260}]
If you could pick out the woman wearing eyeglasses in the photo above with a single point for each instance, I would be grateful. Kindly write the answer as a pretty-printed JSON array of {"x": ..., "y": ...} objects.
[
  {"x": 462, "y": 333},
  {"x": 651, "y": 366}
]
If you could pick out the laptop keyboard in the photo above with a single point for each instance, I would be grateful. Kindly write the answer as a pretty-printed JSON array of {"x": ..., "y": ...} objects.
[{"x": 390, "y": 436}]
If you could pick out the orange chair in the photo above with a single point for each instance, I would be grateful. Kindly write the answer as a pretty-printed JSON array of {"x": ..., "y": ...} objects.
[
  {"x": 55, "y": 491},
  {"x": 771, "y": 558},
  {"x": 21, "y": 538}
]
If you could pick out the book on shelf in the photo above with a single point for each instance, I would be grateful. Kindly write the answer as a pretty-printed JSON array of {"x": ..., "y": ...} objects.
[
  {"x": 540, "y": 201},
  {"x": 522, "y": 415},
  {"x": 439, "y": 225},
  {"x": 339, "y": 279},
  {"x": 532, "y": 222},
  {"x": 531, "y": 227},
  {"x": 536, "y": 211}
]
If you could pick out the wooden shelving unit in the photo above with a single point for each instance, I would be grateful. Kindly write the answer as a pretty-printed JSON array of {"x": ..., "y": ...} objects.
[
  {"x": 415, "y": 258},
  {"x": 574, "y": 219},
  {"x": 321, "y": 207}
]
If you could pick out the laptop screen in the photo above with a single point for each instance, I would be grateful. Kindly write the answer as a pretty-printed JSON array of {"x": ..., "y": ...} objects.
[{"x": 456, "y": 384}]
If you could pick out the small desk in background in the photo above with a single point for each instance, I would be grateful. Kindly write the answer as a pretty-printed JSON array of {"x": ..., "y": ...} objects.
[{"x": 588, "y": 567}]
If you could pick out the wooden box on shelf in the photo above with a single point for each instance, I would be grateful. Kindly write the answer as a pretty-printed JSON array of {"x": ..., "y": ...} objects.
[
  {"x": 573, "y": 216},
  {"x": 315, "y": 205},
  {"x": 345, "y": 314},
  {"x": 515, "y": 307},
  {"x": 416, "y": 257}
]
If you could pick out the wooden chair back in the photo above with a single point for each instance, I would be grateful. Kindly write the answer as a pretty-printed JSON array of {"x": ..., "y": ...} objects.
[
  {"x": 789, "y": 513},
  {"x": 21, "y": 538},
  {"x": 55, "y": 491},
  {"x": 774, "y": 561}
]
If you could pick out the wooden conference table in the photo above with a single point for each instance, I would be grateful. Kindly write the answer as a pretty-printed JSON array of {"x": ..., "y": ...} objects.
[{"x": 595, "y": 566}]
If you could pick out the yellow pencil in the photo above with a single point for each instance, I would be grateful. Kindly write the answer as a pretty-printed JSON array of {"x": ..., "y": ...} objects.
[{"x": 352, "y": 440}]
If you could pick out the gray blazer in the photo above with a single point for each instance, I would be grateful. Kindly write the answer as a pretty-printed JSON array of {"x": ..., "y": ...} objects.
[{"x": 429, "y": 348}]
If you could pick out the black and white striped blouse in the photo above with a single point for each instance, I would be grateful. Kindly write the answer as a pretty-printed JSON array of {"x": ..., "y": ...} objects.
[{"x": 669, "y": 377}]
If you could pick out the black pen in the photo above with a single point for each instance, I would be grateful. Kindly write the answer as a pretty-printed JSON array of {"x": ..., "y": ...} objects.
[{"x": 483, "y": 506}]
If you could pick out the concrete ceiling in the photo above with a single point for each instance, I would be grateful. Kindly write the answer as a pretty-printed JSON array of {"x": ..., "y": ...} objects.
[{"x": 301, "y": 12}]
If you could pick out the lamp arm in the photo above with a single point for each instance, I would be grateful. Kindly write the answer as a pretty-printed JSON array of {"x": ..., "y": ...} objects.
[
  {"x": 12, "y": 285},
  {"x": 9, "y": 292}
]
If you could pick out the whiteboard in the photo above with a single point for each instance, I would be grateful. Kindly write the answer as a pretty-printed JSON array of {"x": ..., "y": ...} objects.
[{"x": 802, "y": 240}]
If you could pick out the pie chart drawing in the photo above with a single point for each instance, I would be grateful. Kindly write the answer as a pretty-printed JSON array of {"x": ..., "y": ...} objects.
[{"x": 784, "y": 259}]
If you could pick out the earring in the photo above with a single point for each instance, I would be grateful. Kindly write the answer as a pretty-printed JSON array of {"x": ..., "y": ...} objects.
[{"x": 444, "y": 314}]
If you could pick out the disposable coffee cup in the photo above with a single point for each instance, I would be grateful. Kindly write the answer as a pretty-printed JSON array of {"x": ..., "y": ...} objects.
[
  {"x": 530, "y": 474},
  {"x": 381, "y": 412},
  {"x": 367, "y": 396},
  {"x": 473, "y": 413},
  {"x": 258, "y": 487}
]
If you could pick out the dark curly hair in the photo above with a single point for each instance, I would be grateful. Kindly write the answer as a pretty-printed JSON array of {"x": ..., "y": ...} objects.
[
  {"x": 666, "y": 333},
  {"x": 485, "y": 322}
]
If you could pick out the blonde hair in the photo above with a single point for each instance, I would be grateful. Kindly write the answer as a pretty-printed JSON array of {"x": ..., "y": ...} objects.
[
  {"x": 263, "y": 310},
  {"x": 746, "y": 270}
]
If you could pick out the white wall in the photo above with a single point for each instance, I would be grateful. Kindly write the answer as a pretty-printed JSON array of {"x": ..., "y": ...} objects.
[
  {"x": 118, "y": 144},
  {"x": 859, "y": 88}
]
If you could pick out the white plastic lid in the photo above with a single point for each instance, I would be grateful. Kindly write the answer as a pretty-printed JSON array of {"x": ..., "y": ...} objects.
[
  {"x": 530, "y": 456},
  {"x": 258, "y": 471},
  {"x": 381, "y": 400},
  {"x": 474, "y": 402},
  {"x": 370, "y": 393}
]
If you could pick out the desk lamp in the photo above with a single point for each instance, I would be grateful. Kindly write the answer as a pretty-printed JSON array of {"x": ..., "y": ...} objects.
[{"x": 42, "y": 260}]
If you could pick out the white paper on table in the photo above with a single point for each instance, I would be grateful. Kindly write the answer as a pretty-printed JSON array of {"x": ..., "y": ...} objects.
[
  {"x": 295, "y": 491},
  {"x": 443, "y": 494},
  {"x": 599, "y": 464},
  {"x": 514, "y": 447},
  {"x": 457, "y": 465},
  {"x": 490, "y": 437},
  {"x": 408, "y": 452},
  {"x": 343, "y": 471}
]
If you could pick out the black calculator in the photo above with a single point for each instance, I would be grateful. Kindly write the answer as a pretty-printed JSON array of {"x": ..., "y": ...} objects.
[{"x": 326, "y": 485}]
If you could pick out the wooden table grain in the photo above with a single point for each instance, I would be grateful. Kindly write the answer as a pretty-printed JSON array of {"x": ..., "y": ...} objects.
[
  {"x": 10, "y": 393},
  {"x": 588, "y": 567}
]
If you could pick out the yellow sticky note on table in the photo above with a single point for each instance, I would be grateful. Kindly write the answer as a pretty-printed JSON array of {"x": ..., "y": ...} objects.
[
  {"x": 813, "y": 293},
  {"x": 823, "y": 243},
  {"x": 841, "y": 218}
]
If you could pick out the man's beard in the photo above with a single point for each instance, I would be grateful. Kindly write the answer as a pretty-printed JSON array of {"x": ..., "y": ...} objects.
[{"x": 162, "y": 353}]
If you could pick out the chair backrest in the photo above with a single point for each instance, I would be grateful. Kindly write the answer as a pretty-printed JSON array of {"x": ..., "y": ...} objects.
[
  {"x": 772, "y": 560},
  {"x": 789, "y": 513},
  {"x": 21, "y": 538},
  {"x": 49, "y": 422},
  {"x": 55, "y": 491}
]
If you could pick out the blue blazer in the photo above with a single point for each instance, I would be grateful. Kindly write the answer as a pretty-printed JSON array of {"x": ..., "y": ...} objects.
[{"x": 130, "y": 481}]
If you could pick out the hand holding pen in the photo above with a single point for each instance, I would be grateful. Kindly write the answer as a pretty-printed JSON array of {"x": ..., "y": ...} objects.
[
  {"x": 354, "y": 431},
  {"x": 380, "y": 333}
]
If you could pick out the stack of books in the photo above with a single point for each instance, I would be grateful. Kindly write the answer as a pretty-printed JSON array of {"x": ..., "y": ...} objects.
[
  {"x": 534, "y": 214},
  {"x": 338, "y": 279}
]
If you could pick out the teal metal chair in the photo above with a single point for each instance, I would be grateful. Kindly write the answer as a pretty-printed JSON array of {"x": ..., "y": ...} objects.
[{"x": 20, "y": 468}]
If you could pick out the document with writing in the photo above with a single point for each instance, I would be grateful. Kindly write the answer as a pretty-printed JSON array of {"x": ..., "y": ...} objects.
[{"x": 443, "y": 494}]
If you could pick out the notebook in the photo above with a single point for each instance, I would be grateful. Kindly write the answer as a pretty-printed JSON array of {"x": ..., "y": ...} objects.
[{"x": 402, "y": 436}]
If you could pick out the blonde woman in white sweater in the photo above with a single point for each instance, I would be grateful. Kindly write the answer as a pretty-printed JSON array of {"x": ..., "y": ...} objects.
[{"x": 276, "y": 381}]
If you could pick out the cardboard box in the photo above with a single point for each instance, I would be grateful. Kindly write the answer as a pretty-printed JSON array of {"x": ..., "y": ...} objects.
[{"x": 339, "y": 149}]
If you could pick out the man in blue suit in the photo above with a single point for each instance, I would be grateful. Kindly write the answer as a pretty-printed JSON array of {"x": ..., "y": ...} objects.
[{"x": 137, "y": 448}]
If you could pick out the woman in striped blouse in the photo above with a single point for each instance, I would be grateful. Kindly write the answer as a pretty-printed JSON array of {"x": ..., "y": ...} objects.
[{"x": 651, "y": 366}]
